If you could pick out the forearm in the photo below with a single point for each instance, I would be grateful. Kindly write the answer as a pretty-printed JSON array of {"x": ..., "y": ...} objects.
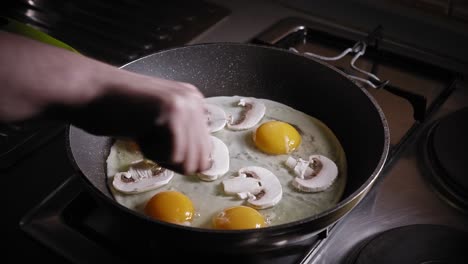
[
  {"x": 166, "y": 117},
  {"x": 34, "y": 76}
]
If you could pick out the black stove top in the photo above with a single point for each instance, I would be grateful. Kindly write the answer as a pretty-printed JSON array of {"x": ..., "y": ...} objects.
[
  {"x": 428, "y": 243},
  {"x": 120, "y": 31},
  {"x": 443, "y": 149},
  {"x": 423, "y": 91}
]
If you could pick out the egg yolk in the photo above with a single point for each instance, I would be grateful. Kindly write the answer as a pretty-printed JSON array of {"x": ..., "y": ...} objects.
[
  {"x": 276, "y": 137},
  {"x": 170, "y": 206},
  {"x": 238, "y": 217}
]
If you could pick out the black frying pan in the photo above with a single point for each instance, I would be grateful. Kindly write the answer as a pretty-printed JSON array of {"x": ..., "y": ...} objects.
[{"x": 264, "y": 72}]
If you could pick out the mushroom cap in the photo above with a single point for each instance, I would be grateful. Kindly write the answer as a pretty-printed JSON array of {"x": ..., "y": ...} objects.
[
  {"x": 216, "y": 116},
  {"x": 317, "y": 180},
  {"x": 259, "y": 185},
  {"x": 142, "y": 176},
  {"x": 254, "y": 110}
]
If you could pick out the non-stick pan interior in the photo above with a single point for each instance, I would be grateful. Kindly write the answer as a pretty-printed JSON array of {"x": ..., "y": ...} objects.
[{"x": 248, "y": 70}]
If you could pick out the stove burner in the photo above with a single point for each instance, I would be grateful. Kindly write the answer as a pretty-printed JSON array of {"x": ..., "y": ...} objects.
[
  {"x": 445, "y": 151},
  {"x": 420, "y": 243}
]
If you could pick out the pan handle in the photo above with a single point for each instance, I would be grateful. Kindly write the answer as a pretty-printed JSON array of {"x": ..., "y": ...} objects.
[
  {"x": 358, "y": 49},
  {"x": 292, "y": 26},
  {"x": 418, "y": 102},
  {"x": 279, "y": 37}
]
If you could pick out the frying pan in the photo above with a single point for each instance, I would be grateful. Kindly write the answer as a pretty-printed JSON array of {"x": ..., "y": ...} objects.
[{"x": 226, "y": 69}]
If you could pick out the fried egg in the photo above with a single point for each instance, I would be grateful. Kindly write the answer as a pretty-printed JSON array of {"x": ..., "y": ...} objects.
[
  {"x": 170, "y": 206},
  {"x": 239, "y": 217},
  {"x": 302, "y": 136}
]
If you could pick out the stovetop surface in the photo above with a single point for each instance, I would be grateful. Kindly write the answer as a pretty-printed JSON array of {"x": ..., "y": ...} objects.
[
  {"x": 416, "y": 99},
  {"x": 403, "y": 196}
]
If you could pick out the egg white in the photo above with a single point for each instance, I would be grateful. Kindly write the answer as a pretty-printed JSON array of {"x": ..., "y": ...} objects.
[{"x": 209, "y": 197}]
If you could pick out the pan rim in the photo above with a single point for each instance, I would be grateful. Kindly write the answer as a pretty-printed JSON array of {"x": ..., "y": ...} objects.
[{"x": 352, "y": 199}]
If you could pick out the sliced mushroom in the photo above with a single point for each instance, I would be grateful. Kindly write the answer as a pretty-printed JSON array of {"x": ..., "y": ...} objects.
[
  {"x": 300, "y": 167},
  {"x": 315, "y": 175},
  {"x": 216, "y": 117},
  {"x": 253, "y": 112},
  {"x": 122, "y": 153},
  {"x": 242, "y": 185},
  {"x": 259, "y": 185},
  {"x": 142, "y": 176},
  {"x": 219, "y": 157}
]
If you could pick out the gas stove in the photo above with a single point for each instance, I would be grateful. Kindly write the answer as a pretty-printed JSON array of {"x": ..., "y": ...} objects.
[
  {"x": 415, "y": 212},
  {"x": 421, "y": 194}
]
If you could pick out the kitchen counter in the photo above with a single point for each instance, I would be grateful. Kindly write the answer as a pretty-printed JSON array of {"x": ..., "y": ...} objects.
[{"x": 42, "y": 171}]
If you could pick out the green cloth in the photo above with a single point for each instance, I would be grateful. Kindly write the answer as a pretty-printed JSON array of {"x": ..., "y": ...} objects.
[{"x": 11, "y": 25}]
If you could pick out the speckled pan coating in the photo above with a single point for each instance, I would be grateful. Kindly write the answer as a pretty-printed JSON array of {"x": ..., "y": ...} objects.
[{"x": 250, "y": 70}]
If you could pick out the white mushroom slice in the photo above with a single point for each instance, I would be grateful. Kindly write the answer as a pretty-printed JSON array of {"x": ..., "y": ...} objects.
[
  {"x": 320, "y": 173},
  {"x": 216, "y": 116},
  {"x": 142, "y": 176},
  {"x": 253, "y": 112},
  {"x": 259, "y": 185},
  {"x": 122, "y": 153},
  {"x": 219, "y": 157},
  {"x": 242, "y": 186}
]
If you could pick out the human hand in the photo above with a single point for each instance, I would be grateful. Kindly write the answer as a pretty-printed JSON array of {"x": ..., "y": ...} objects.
[{"x": 165, "y": 117}]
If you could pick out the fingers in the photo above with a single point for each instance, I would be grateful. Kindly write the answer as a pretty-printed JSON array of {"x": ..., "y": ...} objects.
[
  {"x": 191, "y": 143},
  {"x": 205, "y": 147},
  {"x": 200, "y": 147},
  {"x": 192, "y": 88},
  {"x": 182, "y": 111},
  {"x": 178, "y": 108},
  {"x": 177, "y": 123}
]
